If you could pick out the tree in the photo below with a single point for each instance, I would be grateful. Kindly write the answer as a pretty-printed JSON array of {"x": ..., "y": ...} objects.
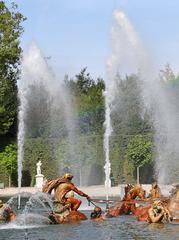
[
  {"x": 167, "y": 74},
  {"x": 128, "y": 172},
  {"x": 84, "y": 82},
  {"x": 38, "y": 111},
  {"x": 89, "y": 101},
  {"x": 127, "y": 107},
  {"x": 116, "y": 161},
  {"x": 139, "y": 150},
  {"x": 8, "y": 160},
  {"x": 10, "y": 53}
]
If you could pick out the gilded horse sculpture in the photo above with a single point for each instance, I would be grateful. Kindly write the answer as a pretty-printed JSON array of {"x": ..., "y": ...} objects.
[{"x": 127, "y": 204}]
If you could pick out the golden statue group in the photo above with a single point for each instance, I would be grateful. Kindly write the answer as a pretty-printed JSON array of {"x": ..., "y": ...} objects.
[{"x": 153, "y": 209}]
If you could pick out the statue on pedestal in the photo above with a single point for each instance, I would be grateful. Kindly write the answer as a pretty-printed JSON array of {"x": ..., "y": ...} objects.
[
  {"x": 39, "y": 177},
  {"x": 39, "y": 164}
]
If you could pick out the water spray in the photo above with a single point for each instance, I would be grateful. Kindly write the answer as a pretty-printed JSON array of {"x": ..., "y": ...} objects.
[
  {"x": 19, "y": 200},
  {"x": 107, "y": 134}
]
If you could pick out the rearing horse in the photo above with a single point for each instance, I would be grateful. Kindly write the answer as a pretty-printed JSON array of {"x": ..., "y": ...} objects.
[
  {"x": 126, "y": 206},
  {"x": 135, "y": 191}
]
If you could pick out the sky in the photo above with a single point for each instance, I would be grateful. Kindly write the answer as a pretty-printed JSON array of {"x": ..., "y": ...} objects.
[{"x": 77, "y": 33}]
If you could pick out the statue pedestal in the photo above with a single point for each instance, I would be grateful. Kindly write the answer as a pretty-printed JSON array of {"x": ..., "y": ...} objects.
[{"x": 39, "y": 181}]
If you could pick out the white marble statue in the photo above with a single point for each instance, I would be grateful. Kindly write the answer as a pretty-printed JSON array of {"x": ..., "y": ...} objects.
[{"x": 39, "y": 164}]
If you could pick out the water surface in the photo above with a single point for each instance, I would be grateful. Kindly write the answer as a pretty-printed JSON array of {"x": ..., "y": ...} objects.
[{"x": 124, "y": 227}]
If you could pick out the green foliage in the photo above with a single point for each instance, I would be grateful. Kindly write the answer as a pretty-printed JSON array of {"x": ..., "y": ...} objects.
[
  {"x": 127, "y": 108},
  {"x": 167, "y": 74},
  {"x": 84, "y": 82},
  {"x": 89, "y": 101},
  {"x": 8, "y": 160},
  {"x": 8, "y": 106},
  {"x": 56, "y": 156},
  {"x": 128, "y": 171},
  {"x": 116, "y": 161},
  {"x": 10, "y": 52},
  {"x": 38, "y": 111},
  {"x": 40, "y": 149},
  {"x": 139, "y": 150},
  {"x": 86, "y": 152}
]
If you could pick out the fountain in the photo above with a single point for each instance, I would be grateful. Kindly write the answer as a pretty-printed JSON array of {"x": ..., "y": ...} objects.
[
  {"x": 124, "y": 40},
  {"x": 161, "y": 97},
  {"x": 126, "y": 46},
  {"x": 33, "y": 213},
  {"x": 107, "y": 134},
  {"x": 129, "y": 56},
  {"x": 36, "y": 73},
  {"x": 21, "y": 132}
]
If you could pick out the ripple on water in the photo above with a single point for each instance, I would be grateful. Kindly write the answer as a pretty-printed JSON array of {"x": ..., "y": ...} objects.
[{"x": 123, "y": 228}]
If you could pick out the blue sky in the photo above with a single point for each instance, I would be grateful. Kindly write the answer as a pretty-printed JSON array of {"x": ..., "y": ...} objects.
[{"x": 76, "y": 33}]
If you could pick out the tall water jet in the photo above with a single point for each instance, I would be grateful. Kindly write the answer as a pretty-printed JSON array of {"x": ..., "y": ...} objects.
[
  {"x": 45, "y": 106},
  {"x": 107, "y": 134},
  {"x": 127, "y": 51},
  {"x": 129, "y": 56},
  {"x": 22, "y": 112},
  {"x": 161, "y": 97},
  {"x": 121, "y": 31},
  {"x": 21, "y": 131}
]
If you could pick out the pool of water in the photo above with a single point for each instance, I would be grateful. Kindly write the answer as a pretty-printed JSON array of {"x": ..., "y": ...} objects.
[
  {"x": 33, "y": 225},
  {"x": 123, "y": 227}
]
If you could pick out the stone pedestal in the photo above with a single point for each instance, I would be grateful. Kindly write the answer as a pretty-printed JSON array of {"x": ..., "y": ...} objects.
[{"x": 39, "y": 181}]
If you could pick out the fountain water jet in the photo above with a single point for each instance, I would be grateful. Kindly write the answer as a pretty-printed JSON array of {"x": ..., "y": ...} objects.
[
  {"x": 21, "y": 133},
  {"x": 107, "y": 134},
  {"x": 129, "y": 56},
  {"x": 37, "y": 75},
  {"x": 118, "y": 56}
]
